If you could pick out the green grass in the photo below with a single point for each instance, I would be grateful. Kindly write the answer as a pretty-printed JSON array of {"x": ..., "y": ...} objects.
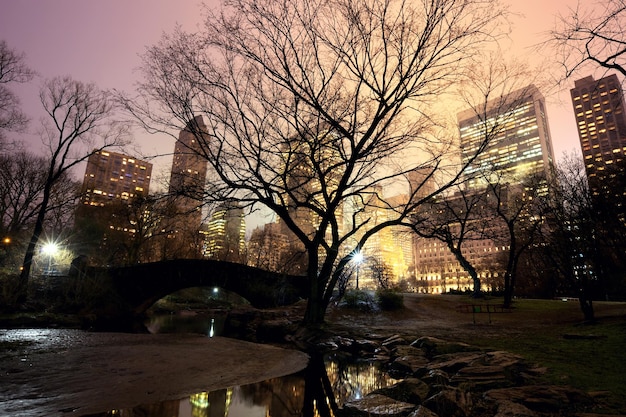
[{"x": 594, "y": 361}]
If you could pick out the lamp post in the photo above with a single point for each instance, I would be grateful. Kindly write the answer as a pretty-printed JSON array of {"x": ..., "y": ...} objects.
[
  {"x": 357, "y": 258},
  {"x": 50, "y": 249}
]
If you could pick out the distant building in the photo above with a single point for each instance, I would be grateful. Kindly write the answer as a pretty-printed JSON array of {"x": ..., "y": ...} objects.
[
  {"x": 186, "y": 189},
  {"x": 113, "y": 177},
  {"x": 268, "y": 249},
  {"x": 601, "y": 121},
  {"x": 520, "y": 146},
  {"x": 110, "y": 216},
  {"x": 225, "y": 234}
]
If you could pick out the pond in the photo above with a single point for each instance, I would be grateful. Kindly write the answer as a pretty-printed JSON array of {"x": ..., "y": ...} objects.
[{"x": 321, "y": 389}]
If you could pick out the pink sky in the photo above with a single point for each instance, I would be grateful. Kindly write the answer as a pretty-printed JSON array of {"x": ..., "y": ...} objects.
[{"x": 99, "y": 41}]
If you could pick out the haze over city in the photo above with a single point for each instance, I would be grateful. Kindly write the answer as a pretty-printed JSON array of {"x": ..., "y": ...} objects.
[{"x": 101, "y": 42}]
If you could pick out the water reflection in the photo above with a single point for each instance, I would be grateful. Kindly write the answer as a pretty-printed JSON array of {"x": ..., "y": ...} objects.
[
  {"x": 187, "y": 322},
  {"x": 320, "y": 390}
]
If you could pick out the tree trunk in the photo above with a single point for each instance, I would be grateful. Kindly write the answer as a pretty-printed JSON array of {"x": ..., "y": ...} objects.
[
  {"x": 465, "y": 264},
  {"x": 22, "y": 288}
]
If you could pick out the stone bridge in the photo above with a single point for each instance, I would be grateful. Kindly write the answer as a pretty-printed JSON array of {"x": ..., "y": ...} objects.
[{"x": 136, "y": 288}]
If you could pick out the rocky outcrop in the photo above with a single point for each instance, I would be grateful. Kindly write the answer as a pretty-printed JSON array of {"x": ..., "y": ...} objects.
[{"x": 445, "y": 379}]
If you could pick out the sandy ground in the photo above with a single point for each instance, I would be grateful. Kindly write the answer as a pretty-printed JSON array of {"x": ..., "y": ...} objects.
[{"x": 67, "y": 372}]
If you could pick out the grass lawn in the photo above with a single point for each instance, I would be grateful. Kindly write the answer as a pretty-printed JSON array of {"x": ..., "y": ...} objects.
[{"x": 591, "y": 357}]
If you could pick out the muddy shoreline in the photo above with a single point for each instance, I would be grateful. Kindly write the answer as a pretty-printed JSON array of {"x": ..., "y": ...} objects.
[{"x": 70, "y": 372}]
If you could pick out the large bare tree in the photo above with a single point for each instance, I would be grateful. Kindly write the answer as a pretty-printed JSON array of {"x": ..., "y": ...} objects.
[
  {"x": 313, "y": 104},
  {"x": 13, "y": 69},
  {"x": 80, "y": 121},
  {"x": 592, "y": 36}
]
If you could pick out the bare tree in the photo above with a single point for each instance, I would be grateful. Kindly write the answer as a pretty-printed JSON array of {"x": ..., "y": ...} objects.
[
  {"x": 572, "y": 242},
  {"x": 518, "y": 207},
  {"x": 81, "y": 122},
  {"x": 21, "y": 185},
  {"x": 456, "y": 220},
  {"x": 310, "y": 104},
  {"x": 592, "y": 36},
  {"x": 12, "y": 70}
]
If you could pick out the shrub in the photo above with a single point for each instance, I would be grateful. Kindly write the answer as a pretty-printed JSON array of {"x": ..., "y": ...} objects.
[
  {"x": 358, "y": 299},
  {"x": 389, "y": 299},
  {"x": 9, "y": 296}
]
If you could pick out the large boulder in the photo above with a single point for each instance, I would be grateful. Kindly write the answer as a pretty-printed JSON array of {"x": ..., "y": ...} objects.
[
  {"x": 410, "y": 390},
  {"x": 377, "y": 405}
]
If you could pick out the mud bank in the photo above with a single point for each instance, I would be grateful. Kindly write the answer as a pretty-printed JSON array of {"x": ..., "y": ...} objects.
[{"x": 67, "y": 372}]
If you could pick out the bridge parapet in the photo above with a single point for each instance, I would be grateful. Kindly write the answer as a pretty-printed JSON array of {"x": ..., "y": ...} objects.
[{"x": 139, "y": 286}]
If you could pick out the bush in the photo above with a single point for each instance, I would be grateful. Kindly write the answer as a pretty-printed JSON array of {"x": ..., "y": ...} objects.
[
  {"x": 9, "y": 295},
  {"x": 358, "y": 299},
  {"x": 389, "y": 299}
]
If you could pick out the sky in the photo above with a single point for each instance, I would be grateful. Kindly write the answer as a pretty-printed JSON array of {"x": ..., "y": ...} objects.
[{"x": 100, "y": 41}]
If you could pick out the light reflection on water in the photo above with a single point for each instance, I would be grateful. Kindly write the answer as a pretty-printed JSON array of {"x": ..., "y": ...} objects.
[
  {"x": 319, "y": 390},
  {"x": 325, "y": 386},
  {"x": 186, "y": 323}
]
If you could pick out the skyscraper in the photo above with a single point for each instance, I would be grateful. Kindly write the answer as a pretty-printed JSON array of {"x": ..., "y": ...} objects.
[
  {"x": 186, "y": 188},
  {"x": 225, "y": 234},
  {"x": 519, "y": 145},
  {"x": 111, "y": 177},
  {"x": 599, "y": 110},
  {"x": 109, "y": 220},
  {"x": 189, "y": 169}
]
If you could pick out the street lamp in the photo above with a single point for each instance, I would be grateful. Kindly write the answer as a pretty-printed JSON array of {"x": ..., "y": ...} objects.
[
  {"x": 50, "y": 249},
  {"x": 357, "y": 258}
]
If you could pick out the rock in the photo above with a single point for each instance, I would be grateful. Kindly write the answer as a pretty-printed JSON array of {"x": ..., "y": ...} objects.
[
  {"x": 407, "y": 361},
  {"x": 378, "y": 405},
  {"x": 511, "y": 409},
  {"x": 436, "y": 377},
  {"x": 540, "y": 398},
  {"x": 410, "y": 390},
  {"x": 451, "y": 363},
  {"x": 422, "y": 412},
  {"x": 407, "y": 366},
  {"x": 484, "y": 376},
  {"x": 433, "y": 346},
  {"x": 393, "y": 341},
  {"x": 503, "y": 359},
  {"x": 366, "y": 345},
  {"x": 450, "y": 402}
]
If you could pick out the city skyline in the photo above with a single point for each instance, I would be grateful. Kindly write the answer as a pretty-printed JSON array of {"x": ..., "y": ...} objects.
[{"x": 97, "y": 42}]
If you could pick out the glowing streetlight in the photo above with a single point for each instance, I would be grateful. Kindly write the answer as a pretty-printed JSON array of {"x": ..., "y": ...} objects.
[
  {"x": 357, "y": 258},
  {"x": 50, "y": 249}
]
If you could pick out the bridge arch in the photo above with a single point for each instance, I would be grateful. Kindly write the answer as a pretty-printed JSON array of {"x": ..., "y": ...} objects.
[{"x": 140, "y": 286}]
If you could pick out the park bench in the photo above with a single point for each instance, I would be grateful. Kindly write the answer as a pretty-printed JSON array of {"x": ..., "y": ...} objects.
[{"x": 482, "y": 308}]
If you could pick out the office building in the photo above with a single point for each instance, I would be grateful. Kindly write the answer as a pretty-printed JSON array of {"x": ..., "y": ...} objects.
[
  {"x": 113, "y": 177},
  {"x": 518, "y": 147},
  {"x": 518, "y": 139},
  {"x": 601, "y": 122},
  {"x": 225, "y": 234},
  {"x": 186, "y": 190}
]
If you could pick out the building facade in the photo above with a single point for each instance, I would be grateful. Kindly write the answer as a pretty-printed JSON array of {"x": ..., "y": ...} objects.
[
  {"x": 514, "y": 133},
  {"x": 186, "y": 189},
  {"x": 601, "y": 122},
  {"x": 111, "y": 177},
  {"x": 225, "y": 234},
  {"x": 518, "y": 135},
  {"x": 110, "y": 221}
]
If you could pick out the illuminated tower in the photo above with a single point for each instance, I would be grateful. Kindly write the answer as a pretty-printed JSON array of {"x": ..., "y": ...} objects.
[
  {"x": 520, "y": 145},
  {"x": 186, "y": 188},
  {"x": 225, "y": 234},
  {"x": 111, "y": 177},
  {"x": 599, "y": 109}
]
